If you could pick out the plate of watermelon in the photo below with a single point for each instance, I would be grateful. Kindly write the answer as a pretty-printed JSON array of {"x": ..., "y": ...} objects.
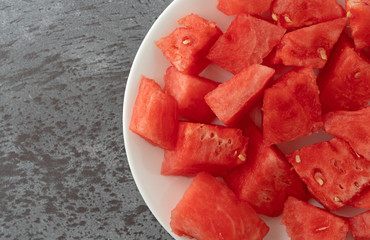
[{"x": 250, "y": 119}]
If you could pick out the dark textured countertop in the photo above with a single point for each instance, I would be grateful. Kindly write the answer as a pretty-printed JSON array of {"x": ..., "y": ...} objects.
[{"x": 63, "y": 168}]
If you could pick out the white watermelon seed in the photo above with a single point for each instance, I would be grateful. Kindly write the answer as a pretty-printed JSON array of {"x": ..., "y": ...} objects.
[
  {"x": 187, "y": 41},
  {"x": 322, "y": 53},
  {"x": 322, "y": 228},
  {"x": 241, "y": 157},
  {"x": 274, "y": 17},
  {"x": 287, "y": 19}
]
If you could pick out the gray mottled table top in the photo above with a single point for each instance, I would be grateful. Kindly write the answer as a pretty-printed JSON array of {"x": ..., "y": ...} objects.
[{"x": 63, "y": 168}]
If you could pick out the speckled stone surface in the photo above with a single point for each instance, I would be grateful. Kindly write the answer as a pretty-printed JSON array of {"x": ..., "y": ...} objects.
[{"x": 63, "y": 168}]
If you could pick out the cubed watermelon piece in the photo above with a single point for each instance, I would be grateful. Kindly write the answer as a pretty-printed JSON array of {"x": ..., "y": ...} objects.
[
  {"x": 346, "y": 84},
  {"x": 345, "y": 40},
  {"x": 291, "y": 107},
  {"x": 153, "y": 107},
  {"x": 266, "y": 179},
  {"x": 203, "y": 147},
  {"x": 309, "y": 46},
  {"x": 247, "y": 41},
  {"x": 300, "y": 13},
  {"x": 304, "y": 221},
  {"x": 352, "y": 126},
  {"x": 232, "y": 100},
  {"x": 360, "y": 226},
  {"x": 186, "y": 47},
  {"x": 233, "y": 7},
  {"x": 362, "y": 200},
  {"x": 210, "y": 210},
  {"x": 332, "y": 171},
  {"x": 189, "y": 92},
  {"x": 358, "y": 12}
]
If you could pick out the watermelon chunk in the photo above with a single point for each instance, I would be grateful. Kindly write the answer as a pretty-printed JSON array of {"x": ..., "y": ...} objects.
[
  {"x": 153, "y": 107},
  {"x": 333, "y": 173},
  {"x": 233, "y": 7},
  {"x": 291, "y": 107},
  {"x": 232, "y": 100},
  {"x": 360, "y": 226},
  {"x": 362, "y": 200},
  {"x": 189, "y": 92},
  {"x": 344, "y": 41},
  {"x": 345, "y": 85},
  {"x": 247, "y": 41},
  {"x": 306, "y": 222},
  {"x": 358, "y": 12},
  {"x": 186, "y": 47},
  {"x": 300, "y": 13},
  {"x": 210, "y": 210},
  {"x": 266, "y": 179},
  {"x": 309, "y": 46},
  {"x": 352, "y": 126},
  {"x": 202, "y": 147}
]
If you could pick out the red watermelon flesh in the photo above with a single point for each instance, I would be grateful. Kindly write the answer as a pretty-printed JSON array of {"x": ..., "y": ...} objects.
[
  {"x": 362, "y": 200},
  {"x": 186, "y": 47},
  {"x": 153, "y": 107},
  {"x": 189, "y": 92},
  {"x": 291, "y": 107},
  {"x": 309, "y": 46},
  {"x": 345, "y": 85},
  {"x": 332, "y": 171},
  {"x": 232, "y": 100},
  {"x": 210, "y": 210},
  {"x": 358, "y": 12},
  {"x": 203, "y": 147},
  {"x": 352, "y": 126},
  {"x": 247, "y": 41},
  {"x": 233, "y": 7},
  {"x": 300, "y": 13},
  {"x": 306, "y": 222},
  {"x": 344, "y": 41},
  {"x": 360, "y": 226},
  {"x": 266, "y": 179}
]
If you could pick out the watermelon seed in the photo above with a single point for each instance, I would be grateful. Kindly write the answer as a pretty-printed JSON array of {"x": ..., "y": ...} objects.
[
  {"x": 319, "y": 177},
  {"x": 319, "y": 181},
  {"x": 357, "y": 185},
  {"x": 241, "y": 157},
  {"x": 274, "y": 17},
  {"x": 322, "y": 228},
  {"x": 297, "y": 158},
  {"x": 357, "y": 75},
  {"x": 212, "y": 135},
  {"x": 322, "y": 53},
  {"x": 187, "y": 41},
  {"x": 235, "y": 153},
  {"x": 340, "y": 186},
  {"x": 337, "y": 199},
  {"x": 349, "y": 14},
  {"x": 287, "y": 19}
]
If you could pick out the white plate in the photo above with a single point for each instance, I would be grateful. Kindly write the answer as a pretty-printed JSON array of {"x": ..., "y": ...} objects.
[{"x": 161, "y": 193}]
